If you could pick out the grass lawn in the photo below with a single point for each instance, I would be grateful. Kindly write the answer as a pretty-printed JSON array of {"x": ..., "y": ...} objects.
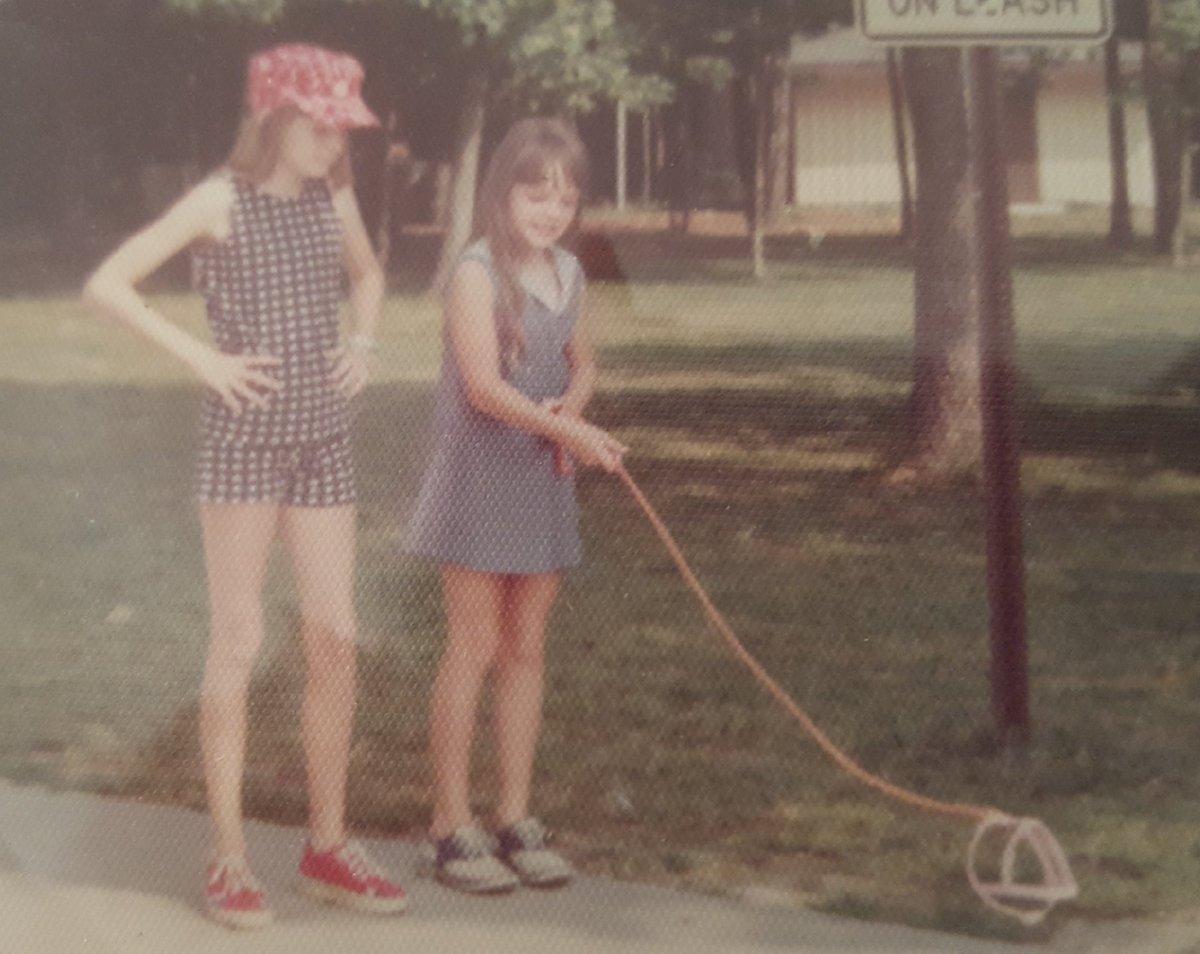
[{"x": 761, "y": 419}]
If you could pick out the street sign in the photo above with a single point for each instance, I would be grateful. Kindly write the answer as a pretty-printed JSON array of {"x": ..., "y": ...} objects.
[{"x": 985, "y": 22}]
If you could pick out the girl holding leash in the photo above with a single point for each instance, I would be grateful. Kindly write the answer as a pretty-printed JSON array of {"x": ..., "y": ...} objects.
[
  {"x": 497, "y": 505},
  {"x": 273, "y": 232}
]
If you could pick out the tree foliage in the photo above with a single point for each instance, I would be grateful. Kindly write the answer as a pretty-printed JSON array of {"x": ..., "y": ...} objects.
[
  {"x": 548, "y": 54},
  {"x": 262, "y": 10},
  {"x": 684, "y": 38},
  {"x": 1179, "y": 21}
]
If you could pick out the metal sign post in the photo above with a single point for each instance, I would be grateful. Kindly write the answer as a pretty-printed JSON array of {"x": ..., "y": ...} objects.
[
  {"x": 978, "y": 26},
  {"x": 997, "y": 380}
]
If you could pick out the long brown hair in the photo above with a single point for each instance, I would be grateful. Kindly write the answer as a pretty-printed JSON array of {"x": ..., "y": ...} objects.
[
  {"x": 255, "y": 152},
  {"x": 526, "y": 155},
  {"x": 253, "y": 158}
]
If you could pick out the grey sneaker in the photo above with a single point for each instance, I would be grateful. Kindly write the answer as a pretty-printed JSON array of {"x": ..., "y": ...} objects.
[
  {"x": 466, "y": 861},
  {"x": 523, "y": 848}
]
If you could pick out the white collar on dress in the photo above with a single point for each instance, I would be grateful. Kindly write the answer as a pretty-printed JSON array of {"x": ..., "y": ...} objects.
[{"x": 566, "y": 288}]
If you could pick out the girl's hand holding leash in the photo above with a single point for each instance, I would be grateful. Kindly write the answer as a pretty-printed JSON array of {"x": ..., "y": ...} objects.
[
  {"x": 590, "y": 445},
  {"x": 351, "y": 364},
  {"x": 237, "y": 378},
  {"x": 563, "y": 465}
]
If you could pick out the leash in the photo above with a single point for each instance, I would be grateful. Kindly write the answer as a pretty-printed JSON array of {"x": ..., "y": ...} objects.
[{"x": 1027, "y": 901}]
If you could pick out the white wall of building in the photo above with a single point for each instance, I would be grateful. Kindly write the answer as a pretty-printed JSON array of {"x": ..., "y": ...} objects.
[
  {"x": 844, "y": 144},
  {"x": 845, "y": 155},
  {"x": 1073, "y": 139}
]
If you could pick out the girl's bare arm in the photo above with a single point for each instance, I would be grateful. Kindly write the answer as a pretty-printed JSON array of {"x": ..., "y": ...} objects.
[
  {"x": 112, "y": 286},
  {"x": 470, "y": 300},
  {"x": 350, "y": 370},
  {"x": 203, "y": 213}
]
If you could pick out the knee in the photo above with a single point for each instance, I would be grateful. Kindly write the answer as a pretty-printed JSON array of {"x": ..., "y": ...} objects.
[
  {"x": 234, "y": 646},
  {"x": 330, "y": 646},
  {"x": 522, "y": 651}
]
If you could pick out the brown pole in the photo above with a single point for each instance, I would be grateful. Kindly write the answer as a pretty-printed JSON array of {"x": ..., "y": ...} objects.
[{"x": 1001, "y": 452}]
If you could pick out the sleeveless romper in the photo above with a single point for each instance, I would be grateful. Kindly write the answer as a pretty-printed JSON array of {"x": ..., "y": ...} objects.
[
  {"x": 491, "y": 499},
  {"x": 273, "y": 286}
]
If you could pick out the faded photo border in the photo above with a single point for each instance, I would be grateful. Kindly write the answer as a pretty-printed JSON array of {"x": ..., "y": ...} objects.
[{"x": 902, "y": 345}]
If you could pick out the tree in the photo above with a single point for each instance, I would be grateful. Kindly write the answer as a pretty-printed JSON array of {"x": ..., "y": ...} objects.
[
  {"x": 542, "y": 55},
  {"x": 945, "y": 399},
  {"x": 1130, "y": 24},
  {"x": 546, "y": 54},
  {"x": 748, "y": 43},
  {"x": 76, "y": 147},
  {"x": 1120, "y": 228},
  {"x": 761, "y": 35},
  {"x": 897, "y": 97},
  {"x": 1171, "y": 50}
]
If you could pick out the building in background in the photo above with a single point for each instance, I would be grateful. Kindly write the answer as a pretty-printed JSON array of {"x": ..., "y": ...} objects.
[{"x": 1056, "y": 123}]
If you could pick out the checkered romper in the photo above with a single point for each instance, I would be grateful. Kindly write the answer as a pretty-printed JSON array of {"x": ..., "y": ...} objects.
[{"x": 273, "y": 286}]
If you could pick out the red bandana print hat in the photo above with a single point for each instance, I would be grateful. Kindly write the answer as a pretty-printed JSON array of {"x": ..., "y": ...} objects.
[{"x": 322, "y": 84}]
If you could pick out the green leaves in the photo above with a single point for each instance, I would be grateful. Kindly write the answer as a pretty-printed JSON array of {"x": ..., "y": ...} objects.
[
  {"x": 1181, "y": 23},
  {"x": 576, "y": 53},
  {"x": 690, "y": 38},
  {"x": 550, "y": 54},
  {"x": 263, "y": 10},
  {"x": 555, "y": 53}
]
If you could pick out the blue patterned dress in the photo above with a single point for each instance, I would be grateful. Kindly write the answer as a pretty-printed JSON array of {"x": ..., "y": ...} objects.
[{"x": 491, "y": 499}]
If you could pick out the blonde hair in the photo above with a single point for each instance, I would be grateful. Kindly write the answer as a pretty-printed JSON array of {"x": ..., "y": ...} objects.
[
  {"x": 256, "y": 150},
  {"x": 253, "y": 158},
  {"x": 526, "y": 155}
]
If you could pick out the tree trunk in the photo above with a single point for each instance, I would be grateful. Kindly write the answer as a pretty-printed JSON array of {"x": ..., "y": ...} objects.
[
  {"x": 622, "y": 157},
  {"x": 758, "y": 200},
  {"x": 752, "y": 119},
  {"x": 466, "y": 168},
  {"x": 1163, "y": 72},
  {"x": 1179, "y": 238},
  {"x": 647, "y": 153},
  {"x": 778, "y": 138},
  {"x": 396, "y": 158},
  {"x": 659, "y": 139},
  {"x": 678, "y": 159},
  {"x": 947, "y": 430},
  {"x": 1120, "y": 226},
  {"x": 900, "y": 133}
]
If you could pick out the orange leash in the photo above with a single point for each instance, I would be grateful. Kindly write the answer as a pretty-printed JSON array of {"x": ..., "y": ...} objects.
[{"x": 1027, "y": 901}]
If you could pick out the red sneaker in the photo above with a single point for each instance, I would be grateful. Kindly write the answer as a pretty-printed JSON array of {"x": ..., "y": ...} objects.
[
  {"x": 347, "y": 875},
  {"x": 233, "y": 897}
]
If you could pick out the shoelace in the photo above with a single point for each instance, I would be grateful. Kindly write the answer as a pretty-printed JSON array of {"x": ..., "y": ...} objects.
[
  {"x": 354, "y": 856},
  {"x": 234, "y": 874},
  {"x": 473, "y": 842}
]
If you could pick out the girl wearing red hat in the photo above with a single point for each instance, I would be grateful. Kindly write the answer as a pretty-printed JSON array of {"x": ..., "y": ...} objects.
[{"x": 272, "y": 234}]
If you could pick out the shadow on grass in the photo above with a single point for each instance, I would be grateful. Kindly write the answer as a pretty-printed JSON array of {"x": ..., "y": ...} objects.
[
  {"x": 671, "y": 257},
  {"x": 97, "y": 479},
  {"x": 96, "y": 518},
  {"x": 103, "y": 582},
  {"x": 612, "y": 254},
  {"x": 1181, "y": 379},
  {"x": 1162, "y": 434}
]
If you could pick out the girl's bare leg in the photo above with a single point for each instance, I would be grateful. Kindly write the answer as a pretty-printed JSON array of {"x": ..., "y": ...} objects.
[
  {"x": 473, "y": 603},
  {"x": 320, "y": 541},
  {"x": 237, "y": 545},
  {"x": 520, "y": 669}
]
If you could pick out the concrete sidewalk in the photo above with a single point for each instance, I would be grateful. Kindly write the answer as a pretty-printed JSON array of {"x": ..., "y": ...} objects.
[{"x": 81, "y": 873}]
